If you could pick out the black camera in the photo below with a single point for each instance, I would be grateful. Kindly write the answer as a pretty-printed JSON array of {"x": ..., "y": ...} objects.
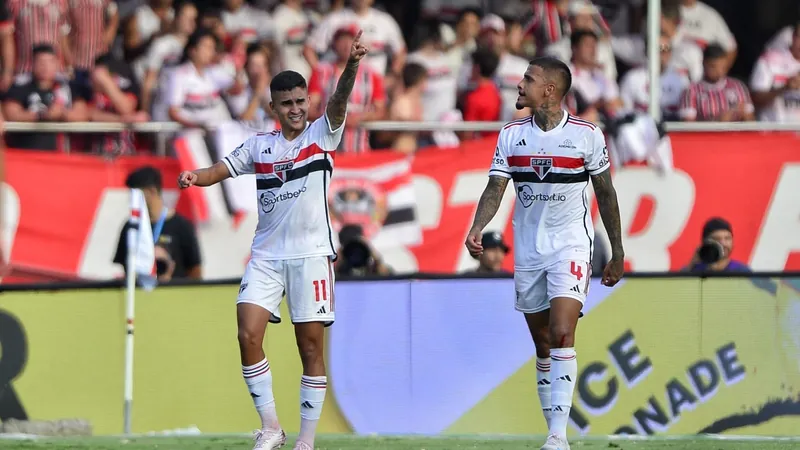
[
  {"x": 356, "y": 254},
  {"x": 710, "y": 251}
]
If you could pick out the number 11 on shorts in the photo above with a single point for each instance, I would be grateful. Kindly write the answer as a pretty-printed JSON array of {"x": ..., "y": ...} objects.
[{"x": 321, "y": 286}]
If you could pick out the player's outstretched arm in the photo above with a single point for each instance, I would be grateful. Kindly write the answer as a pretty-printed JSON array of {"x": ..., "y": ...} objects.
[
  {"x": 337, "y": 105},
  {"x": 487, "y": 208},
  {"x": 609, "y": 210},
  {"x": 204, "y": 177}
]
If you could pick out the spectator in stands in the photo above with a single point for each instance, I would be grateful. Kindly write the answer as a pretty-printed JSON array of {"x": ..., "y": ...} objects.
[
  {"x": 6, "y": 48},
  {"x": 775, "y": 83},
  {"x": 687, "y": 56},
  {"x": 588, "y": 80},
  {"x": 252, "y": 104},
  {"x": 717, "y": 97},
  {"x": 149, "y": 21},
  {"x": 381, "y": 34},
  {"x": 550, "y": 23},
  {"x": 177, "y": 248},
  {"x": 515, "y": 35},
  {"x": 440, "y": 96},
  {"x": 244, "y": 21},
  {"x": 509, "y": 70},
  {"x": 581, "y": 18},
  {"x": 716, "y": 248},
  {"x": 115, "y": 98},
  {"x": 292, "y": 25},
  {"x": 407, "y": 107},
  {"x": 93, "y": 28},
  {"x": 211, "y": 19},
  {"x": 166, "y": 51},
  {"x": 705, "y": 26},
  {"x": 43, "y": 96},
  {"x": 193, "y": 94},
  {"x": 495, "y": 251},
  {"x": 467, "y": 28},
  {"x": 483, "y": 104},
  {"x": 449, "y": 11},
  {"x": 635, "y": 85},
  {"x": 357, "y": 258},
  {"x": 38, "y": 23},
  {"x": 367, "y": 101}
]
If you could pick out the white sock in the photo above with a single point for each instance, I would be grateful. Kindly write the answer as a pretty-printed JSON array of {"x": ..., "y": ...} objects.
[
  {"x": 543, "y": 386},
  {"x": 563, "y": 372},
  {"x": 312, "y": 396},
  {"x": 259, "y": 382}
]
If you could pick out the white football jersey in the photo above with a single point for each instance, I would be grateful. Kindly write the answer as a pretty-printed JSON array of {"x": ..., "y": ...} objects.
[
  {"x": 773, "y": 70},
  {"x": 635, "y": 91},
  {"x": 292, "y": 179},
  {"x": 551, "y": 169}
]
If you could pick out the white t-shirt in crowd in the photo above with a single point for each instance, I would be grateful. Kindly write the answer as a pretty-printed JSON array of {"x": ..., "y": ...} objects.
[
  {"x": 782, "y": 40},
  {"x": 291, "y": 32},
  {"x": 292, "y": 179},
  {"x": 635, "y": 91},
  {"x": 198, "y": 95},
  {"x": 440, "y": 95},
  {"x": 507, "y": 77},
  {"x": 593, "y": 85},
  {"x": 250, "y": 23},
  {"x": 774, "y": 70},
  {"x": 705, "y": 26},
  {"x": 381, "y": 34},
  {"x": 551, "y": 172}
]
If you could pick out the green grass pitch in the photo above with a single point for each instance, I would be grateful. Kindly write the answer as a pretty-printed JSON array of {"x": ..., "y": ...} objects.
[{"x": 401, "y": 443}]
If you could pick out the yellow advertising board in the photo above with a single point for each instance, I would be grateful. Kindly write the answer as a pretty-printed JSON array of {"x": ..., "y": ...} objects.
[{"x": 656, "y": 356}]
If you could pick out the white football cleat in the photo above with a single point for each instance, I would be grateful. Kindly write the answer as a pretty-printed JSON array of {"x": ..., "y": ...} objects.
[
  {"x": 300, "y": 445},
  {"x": 269, "y": 439},
  {"x": 555, "y": 442}
]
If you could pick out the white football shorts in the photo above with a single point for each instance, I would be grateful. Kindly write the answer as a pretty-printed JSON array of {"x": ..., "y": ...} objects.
[
  {"x": 307, "y": 283},
  {"x": 535, "y": 288}
]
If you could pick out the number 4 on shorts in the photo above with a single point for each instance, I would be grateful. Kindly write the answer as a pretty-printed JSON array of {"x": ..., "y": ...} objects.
[{"x": 574, "y": 268}]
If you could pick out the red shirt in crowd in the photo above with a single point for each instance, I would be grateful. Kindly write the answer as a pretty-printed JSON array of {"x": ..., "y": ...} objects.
[{"x": 483, "y": 104}]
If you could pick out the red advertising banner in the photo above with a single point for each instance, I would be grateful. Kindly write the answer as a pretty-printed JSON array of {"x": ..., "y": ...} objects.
[{"x": 63, "y": 213}]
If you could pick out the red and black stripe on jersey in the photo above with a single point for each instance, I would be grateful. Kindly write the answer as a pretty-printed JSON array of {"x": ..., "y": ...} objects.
[{"x": 562, "y": 162}]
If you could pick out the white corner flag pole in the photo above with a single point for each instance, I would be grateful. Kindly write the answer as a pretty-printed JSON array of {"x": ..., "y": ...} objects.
[{"x": 130, "y": 293}]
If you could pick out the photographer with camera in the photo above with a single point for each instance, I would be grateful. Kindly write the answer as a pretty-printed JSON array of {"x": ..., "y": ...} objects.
[
  {"x": 714, "y": 253},
  {"x": 357, "y": 258}
]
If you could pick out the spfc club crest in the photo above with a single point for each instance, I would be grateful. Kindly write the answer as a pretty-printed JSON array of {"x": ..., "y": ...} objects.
[
  {"x": 541, "y": 166},
  {"x": 359, "y": 202},
  {"x": 280, "y": 169}
]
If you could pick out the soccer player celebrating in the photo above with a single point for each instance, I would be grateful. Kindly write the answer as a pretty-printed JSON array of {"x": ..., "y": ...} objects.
[
  {"x": 293, "y": 246},
  {"x": 551, "y": 156}
]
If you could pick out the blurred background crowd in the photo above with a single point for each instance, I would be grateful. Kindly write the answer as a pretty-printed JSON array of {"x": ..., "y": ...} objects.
[{"x": 203, "y": 62}]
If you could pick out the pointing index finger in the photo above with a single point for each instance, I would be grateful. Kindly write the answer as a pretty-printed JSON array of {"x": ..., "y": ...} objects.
[{"x": 358, "y": 35}]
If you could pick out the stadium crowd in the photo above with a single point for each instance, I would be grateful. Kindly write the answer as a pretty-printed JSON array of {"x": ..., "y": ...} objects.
[{"x": 199, "y": 65}]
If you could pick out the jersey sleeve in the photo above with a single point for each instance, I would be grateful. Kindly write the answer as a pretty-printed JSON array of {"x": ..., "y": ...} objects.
[
  {"x": 327, "y": 138},
  {"x": 240, "y": 161},
  {"x": 596, "y": 161},
  {"x": 762, "y": 78},
  {"x": 500, "y": 167}
]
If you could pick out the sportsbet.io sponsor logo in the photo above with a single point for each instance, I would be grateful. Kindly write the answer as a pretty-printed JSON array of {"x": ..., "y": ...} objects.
[
  {"x": 268, "y": 200},
  {"x": 527, "y": 196}
]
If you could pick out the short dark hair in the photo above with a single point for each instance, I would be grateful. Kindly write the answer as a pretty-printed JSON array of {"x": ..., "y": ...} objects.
[
  {"x": 429, "y": 31},
  {"x": 286, "y": 81},
  {"x": 465, "y": 11},
  {"x": 194, "y": 41},
  {"x": 486, "y": 61},
  {"x": 144, "y": 177},
  {"x": 413, "y": 73},
  {"x": 579, "y": 35},
  {"x": 43, "y": 48},
  {"x": 713, "y": 51},
  {"x": 671, "y": 10},
  {"x": 796, "y": 28},
  {"x": 557, "y": 68}
]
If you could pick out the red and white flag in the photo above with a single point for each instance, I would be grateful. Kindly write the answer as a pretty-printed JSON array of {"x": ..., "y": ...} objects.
[
  {"x": 141, "y": 248},
  {"x": 376, "y": 191}
]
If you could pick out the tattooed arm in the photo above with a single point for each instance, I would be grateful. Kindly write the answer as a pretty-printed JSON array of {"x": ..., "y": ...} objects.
[
  {"x": 336, "y": 111},
  {"x": 609, "y": 210},
  {"x": 487, "y": 208}
]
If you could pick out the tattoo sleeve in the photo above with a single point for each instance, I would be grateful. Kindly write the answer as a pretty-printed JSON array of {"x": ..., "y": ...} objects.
[
  {"x": 609, "y": 211},
  {"x": 337, "y": 105},
  {"x": 489, "y": 202}
]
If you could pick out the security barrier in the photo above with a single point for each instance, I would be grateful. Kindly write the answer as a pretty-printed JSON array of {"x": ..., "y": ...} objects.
[{"x": 656, "y": 356}]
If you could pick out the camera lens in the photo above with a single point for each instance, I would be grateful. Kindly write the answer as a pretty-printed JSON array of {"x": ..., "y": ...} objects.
[{"x": 710, "y": 252}]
